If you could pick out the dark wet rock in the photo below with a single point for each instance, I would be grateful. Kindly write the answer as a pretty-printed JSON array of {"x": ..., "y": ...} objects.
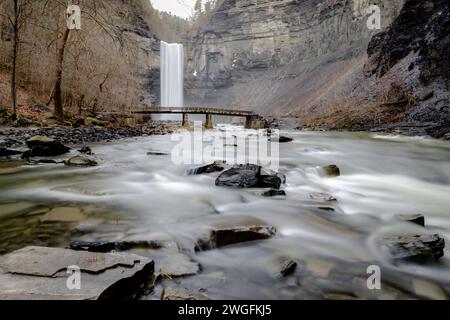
[
  {"x": 332, "y": 170},
  {"x": 249, "y": 176},
  {"x": 105, "y": 246},
  {"x": 41, "y": 146},
  {"x": 266, "y": 181},
  {"x": 80, "y": 161},
  {"x": 7, "y": 152},
  {"x": 420, "y": 248},
  {"x": 44, "y": 147},
  {"x": 413, "y": 218},
  {"x": 274, "y": 193},
  {"x": 221, "y": 237},
  {"x": 156, "y": 153},
  {"x": 182, "y": 294},
  {"x": 243, "y": 176},
  {"x": 85, "y": 150},
  {"x": 283, "y": 139},
  {"x": 322, "y": 196},
  {"x": 38, "y": 273},
  {"x": 288, "y": 268},
  {"x": 217, "y": 166}
]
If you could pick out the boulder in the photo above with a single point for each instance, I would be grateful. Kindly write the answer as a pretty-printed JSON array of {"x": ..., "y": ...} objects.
[
  {"x": 283, "y": 139},
  {"x": 217, "y": 166},
  {"x": 38, "y": 273},
  {"x": 182, "y": 294},
  {"x": 288, "y": 268},
  {"x": 332, "y": 170},
  {"x": 242, "y": 176},
  {"x": 44, "y": 147},
  {"x": 266, "y": 181},
  {"x": 80, "y": 161},
  {"x": 413, "y": 218},
  {"x": 249, "y": 176},
  {"x": 419, "y": 248}
]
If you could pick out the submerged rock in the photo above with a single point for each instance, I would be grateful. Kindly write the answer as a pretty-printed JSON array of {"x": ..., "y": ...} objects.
[
  {"x": 38, "y": 273},
  {"x": 217, "y": 166},
  {"x": 41, "y": 146},
  {"x": 80, "y": 161},
  {"x": 177, "y": 265},
  {"x": 63, "y": 214},
  {"x": 420, "y": 248},
  {"x": 413, "y": 218},
  {"x": 288, "y": 268},
  {"x": 156, "y": 153},
  {"x": 249, "y": 176},
  {"x": 332, "y": 170},
  {"x": 221, "y": 237},
  {"x": 181, "y": 294},
  {"x": 322, "y": 196},
  {"x": 274, "y": 193}
]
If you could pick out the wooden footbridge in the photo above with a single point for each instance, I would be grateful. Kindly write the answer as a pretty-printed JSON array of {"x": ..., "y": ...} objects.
[{"x": 253, "y": 120}]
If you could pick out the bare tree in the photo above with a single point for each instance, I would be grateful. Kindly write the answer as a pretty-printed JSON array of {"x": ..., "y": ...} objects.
[
  {"x": 16, "y": 12},
  {"x": 94, "y": 11}
]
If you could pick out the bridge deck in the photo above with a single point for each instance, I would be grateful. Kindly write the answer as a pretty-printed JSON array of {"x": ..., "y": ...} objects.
[{"x": 197, "y": 110}]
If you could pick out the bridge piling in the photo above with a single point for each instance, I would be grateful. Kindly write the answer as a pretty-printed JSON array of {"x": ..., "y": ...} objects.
[
  {"x": 209, "y": 123},
  {"x": 185, "y": 123}
]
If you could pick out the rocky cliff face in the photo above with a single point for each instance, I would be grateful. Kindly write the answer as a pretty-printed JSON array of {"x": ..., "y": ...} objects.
[
  {"x": 415, "y": 53},
  {"x": 280, "y": 57}
]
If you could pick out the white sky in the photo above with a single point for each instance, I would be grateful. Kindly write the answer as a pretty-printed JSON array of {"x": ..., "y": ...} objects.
[{"x": 181, "y": 8}]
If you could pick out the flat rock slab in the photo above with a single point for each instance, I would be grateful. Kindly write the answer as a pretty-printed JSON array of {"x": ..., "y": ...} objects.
[
  {"x": 178, "y": 265},
  {"x": 236, "y": 231},
  {"x": 64, "y": 214},
  {"x": 420, "y": 248},
  {"x": 182, "y": 294},
  {"x": 41, "y": 273}
]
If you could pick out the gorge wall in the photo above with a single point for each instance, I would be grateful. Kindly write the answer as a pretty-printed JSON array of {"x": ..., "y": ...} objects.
[{"x": 281, "y": 57}]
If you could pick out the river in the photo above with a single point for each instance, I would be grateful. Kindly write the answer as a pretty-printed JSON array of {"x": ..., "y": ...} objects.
[{"x": 132, "y": 194}]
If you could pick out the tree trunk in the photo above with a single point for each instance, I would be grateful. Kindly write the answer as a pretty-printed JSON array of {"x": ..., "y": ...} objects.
[
  {"x": 57, "y": 91},
  {"x": 14, "y": 60}
]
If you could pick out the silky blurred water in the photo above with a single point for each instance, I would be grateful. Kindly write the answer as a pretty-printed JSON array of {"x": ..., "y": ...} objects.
[{"x": 132, "y": 193}]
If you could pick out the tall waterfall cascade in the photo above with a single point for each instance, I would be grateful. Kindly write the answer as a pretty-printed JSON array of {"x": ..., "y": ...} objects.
[{"x": 172, "y": 75}]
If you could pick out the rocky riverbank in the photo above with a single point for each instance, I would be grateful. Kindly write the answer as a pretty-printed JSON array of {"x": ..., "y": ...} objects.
[{"x": 15, "y": 138}]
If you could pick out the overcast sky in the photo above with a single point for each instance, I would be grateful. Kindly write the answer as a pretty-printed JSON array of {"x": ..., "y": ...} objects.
[{"x": 182, "y": 8}]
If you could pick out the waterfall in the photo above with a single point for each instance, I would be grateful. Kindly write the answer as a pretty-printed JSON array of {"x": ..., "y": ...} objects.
[{"x": 172, "y": 75}]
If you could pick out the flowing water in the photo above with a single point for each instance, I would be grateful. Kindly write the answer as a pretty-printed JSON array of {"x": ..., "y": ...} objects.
[{"x": 132, "y": 194}]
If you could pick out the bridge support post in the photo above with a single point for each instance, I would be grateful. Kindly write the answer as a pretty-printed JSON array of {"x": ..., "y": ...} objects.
[
  {"x": 185, "y": 120},
  {"x": 254, "y": 122},
  {"x": 209, "y": 122}
]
